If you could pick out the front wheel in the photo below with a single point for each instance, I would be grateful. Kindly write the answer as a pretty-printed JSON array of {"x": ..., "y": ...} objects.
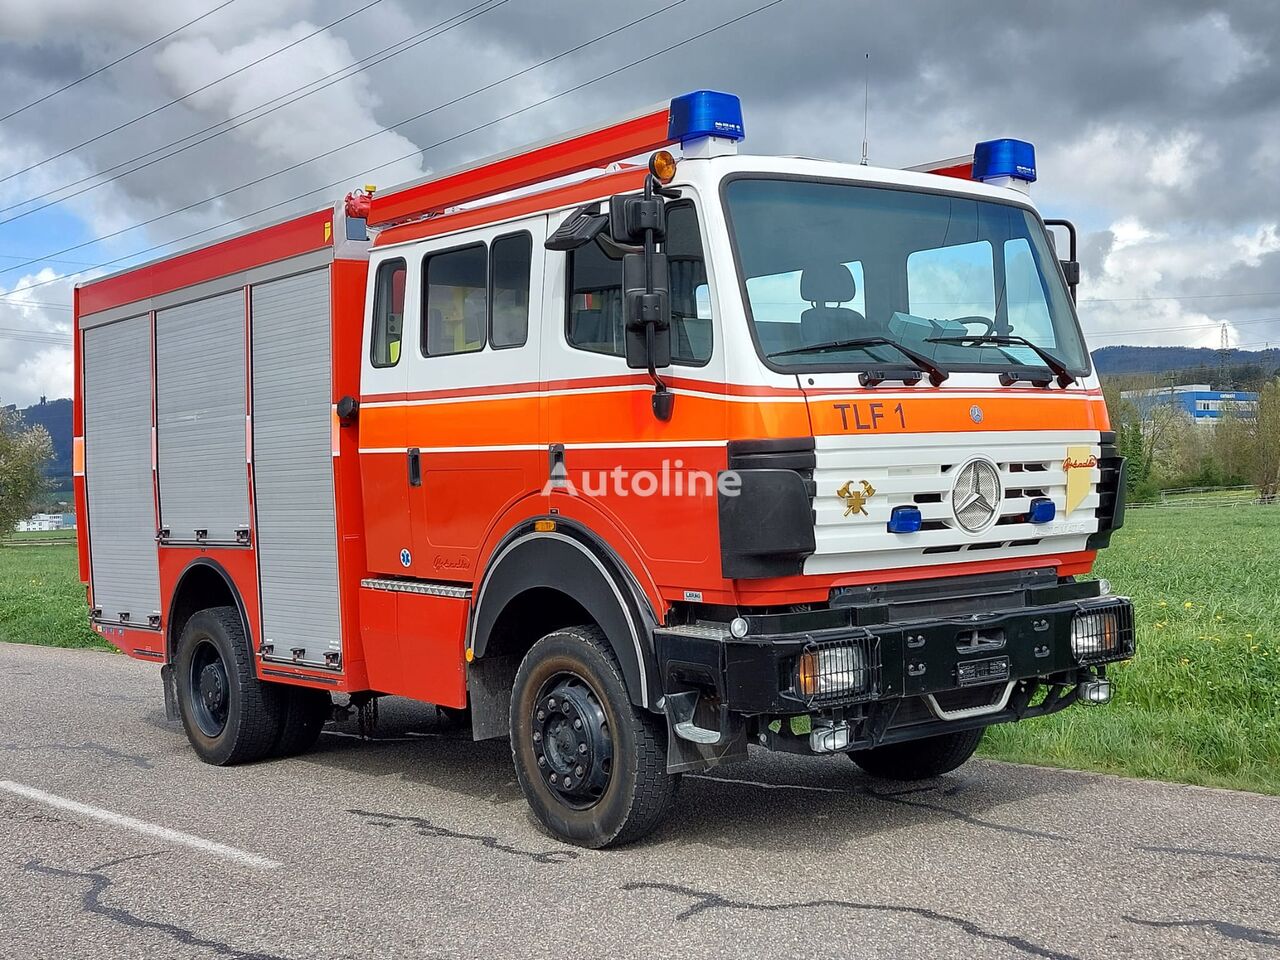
[
  {"x": 919, "y": 759},
  {"x": 592, "y": 765}
]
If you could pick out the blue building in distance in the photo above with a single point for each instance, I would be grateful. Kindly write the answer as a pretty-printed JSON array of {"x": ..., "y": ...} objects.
[{"x": 1201, "y": 403}]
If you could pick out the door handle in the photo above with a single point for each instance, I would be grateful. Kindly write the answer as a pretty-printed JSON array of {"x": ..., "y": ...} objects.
[{"x": 415, "y": 467}]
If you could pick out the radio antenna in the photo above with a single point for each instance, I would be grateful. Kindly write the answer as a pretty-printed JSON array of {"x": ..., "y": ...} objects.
[{"x": 866, "y": 102}]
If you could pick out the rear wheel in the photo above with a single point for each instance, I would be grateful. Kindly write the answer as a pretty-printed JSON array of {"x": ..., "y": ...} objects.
[
  {"x": 592, "y": 765},
  {"x": 229, "y": 714},
  {"x": 305, "y": 713},
  {"x": 919, "y": 759}
]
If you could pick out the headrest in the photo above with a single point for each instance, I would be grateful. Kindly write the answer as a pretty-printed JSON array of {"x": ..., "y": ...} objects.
[{"x": 827, "y": 283}]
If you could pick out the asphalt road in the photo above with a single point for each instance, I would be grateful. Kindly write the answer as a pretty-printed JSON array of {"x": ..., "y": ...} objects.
[{"x": 419, "y": 844}]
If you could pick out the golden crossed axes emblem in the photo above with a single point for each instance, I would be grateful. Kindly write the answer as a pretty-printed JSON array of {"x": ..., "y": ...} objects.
[{"x": 855, "y": 500}]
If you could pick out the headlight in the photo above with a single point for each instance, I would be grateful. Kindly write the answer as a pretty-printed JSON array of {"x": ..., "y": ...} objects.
[
  {"x": 829, "y": 672},
  {"x": 1095, "y": 635}
]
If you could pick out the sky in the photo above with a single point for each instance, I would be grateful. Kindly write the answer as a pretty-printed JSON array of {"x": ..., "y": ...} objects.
[{"x": 1156, "y": 124}]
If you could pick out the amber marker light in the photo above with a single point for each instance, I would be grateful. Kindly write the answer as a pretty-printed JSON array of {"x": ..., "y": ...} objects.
[
  {"x": 544, "y": 526},
  {"x": 663, "y": 166}
]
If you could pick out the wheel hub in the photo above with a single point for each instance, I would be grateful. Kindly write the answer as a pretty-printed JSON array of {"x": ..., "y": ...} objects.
[
  {"x": 210, "y": 690},
  {"x": 571, "y": 742}
]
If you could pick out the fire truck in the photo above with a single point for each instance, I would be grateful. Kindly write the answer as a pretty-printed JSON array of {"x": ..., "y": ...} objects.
[{"x": 624, "y": 446}]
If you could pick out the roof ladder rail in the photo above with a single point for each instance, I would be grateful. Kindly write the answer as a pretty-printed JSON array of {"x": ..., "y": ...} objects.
[{"x": 538, "y": 163}]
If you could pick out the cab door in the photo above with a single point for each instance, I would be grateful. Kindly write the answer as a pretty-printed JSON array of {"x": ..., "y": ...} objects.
[
  {"x": 472, "y": 420},
  {"x": 385, "y": 461}
]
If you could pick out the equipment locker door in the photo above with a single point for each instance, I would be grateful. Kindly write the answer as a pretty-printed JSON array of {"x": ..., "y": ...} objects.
[
  {"x": 200, "y": 420},
  {"x": 293, "y": 469},
  {"x": 124, "y": 568}
]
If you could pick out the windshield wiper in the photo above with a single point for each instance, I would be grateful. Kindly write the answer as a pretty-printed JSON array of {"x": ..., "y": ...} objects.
[
  {"x": 1056, "y": 366},
  {"x": 921, "y": 362}
]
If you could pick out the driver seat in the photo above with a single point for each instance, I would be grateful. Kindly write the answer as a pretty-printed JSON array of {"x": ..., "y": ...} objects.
[{"x": 826, "y": 286}]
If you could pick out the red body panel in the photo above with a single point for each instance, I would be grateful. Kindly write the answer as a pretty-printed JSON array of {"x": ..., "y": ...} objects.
[{"x": 313, "y": 231}]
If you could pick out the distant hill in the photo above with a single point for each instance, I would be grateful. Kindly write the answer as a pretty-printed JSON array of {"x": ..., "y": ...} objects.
[
  {"x": 54, "y": 416},
  {"x": 1125, "y": 359}
]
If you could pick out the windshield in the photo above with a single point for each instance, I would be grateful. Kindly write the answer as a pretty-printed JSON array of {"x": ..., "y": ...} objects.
[{"x": 827, "y": 263}]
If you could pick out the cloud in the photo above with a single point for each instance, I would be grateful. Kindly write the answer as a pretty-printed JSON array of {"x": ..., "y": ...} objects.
[{"x": 1157, "y": 122}]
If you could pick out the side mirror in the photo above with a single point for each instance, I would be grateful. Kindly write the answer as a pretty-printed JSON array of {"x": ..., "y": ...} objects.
[
  {"x": 1071, "y": 265},
  {"x": 646, "y": 308},
  {"x": 631, "y": 217}
]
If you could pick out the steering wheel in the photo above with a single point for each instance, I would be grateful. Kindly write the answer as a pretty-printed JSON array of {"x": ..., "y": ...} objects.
[{"x": 987, "y": 322}]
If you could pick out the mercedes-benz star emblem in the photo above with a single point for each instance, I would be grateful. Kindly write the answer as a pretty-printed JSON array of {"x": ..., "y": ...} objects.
[{"x": 976, "y": 496}]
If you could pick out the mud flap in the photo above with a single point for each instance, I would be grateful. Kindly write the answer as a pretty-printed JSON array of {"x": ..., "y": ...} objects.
[
  {"x": 699, "y": 737},
  {"x": 170, "y": 683}
]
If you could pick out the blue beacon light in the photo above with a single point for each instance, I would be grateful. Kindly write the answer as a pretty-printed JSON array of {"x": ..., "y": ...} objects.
[
  {"x": 1005, "y": 162},
  {"x": 1042, "y": 510},
  {"x": 905, "y": 520},
  {"x": 706, "y": 123}
]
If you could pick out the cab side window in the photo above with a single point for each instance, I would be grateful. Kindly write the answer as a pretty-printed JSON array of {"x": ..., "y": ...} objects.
[
  {"x": 388, "y": 313},
  {"x": 510, "y": 259},
  {"x": 455, "y": 295},
  {"x": 594, "y": 285}
]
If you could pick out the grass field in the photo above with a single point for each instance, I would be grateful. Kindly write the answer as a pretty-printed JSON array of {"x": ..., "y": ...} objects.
[
  {"x": 41, "y": 597},
  {"x": 1200, "y": 703}
]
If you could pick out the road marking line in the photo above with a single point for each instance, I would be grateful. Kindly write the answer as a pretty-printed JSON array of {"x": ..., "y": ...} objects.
[{"x": 141, "y": 826}]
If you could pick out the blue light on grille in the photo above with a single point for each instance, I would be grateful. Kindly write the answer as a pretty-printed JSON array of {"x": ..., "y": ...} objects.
[
  {"x": 705, "y": 113},
  {"x": 905, "y": 520},
  {"x": 1042, "y": 510},
  {"x": 1004, "y": 158}
]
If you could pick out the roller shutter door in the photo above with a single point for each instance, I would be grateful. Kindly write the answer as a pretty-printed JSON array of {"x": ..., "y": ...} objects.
[
  {"x": 200, "y": 419},
  {"x": 293, "y": 467},
  {"x": 117, "y": 428}
]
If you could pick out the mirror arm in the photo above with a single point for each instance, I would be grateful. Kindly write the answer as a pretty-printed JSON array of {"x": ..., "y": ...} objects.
[{"x": 663, "y": 399}]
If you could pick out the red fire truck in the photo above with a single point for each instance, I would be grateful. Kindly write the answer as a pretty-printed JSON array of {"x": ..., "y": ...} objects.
[{"x": 633, "y": 464}]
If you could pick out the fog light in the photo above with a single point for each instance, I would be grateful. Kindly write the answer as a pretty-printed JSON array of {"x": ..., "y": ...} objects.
[
  {"x": 1094, "y": 634},
  {"x": 738, "y": 627},
  {"x": 1042, "y": 510},
  {"x": 829, "y": 737},
  {"x": 905, "y": 520},
  {"x": 1097, "y": 690},
  {"x": 831, "y": 671}
]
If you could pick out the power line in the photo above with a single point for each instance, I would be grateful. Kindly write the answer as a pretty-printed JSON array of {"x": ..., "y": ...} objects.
[
  {"x": 349, "y": 178},
  {"x": 1189, "y": 296},
  {"x": 115, "y": 62},
  {"x": 192, "y": 93},
  {"x": 276, "y": 103},
  {"x": 1195, "y": 326},
  {"x": 351, "y": 143}
]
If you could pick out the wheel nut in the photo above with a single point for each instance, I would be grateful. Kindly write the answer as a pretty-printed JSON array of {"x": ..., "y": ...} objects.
[
  {"x": 577, "y": 724},
  {"x": 537, "y": 736},
  {"x": 551, "y": 703},
  {"x": 541, "y": 714},
  {"x": 542, "y": 761},
  {"x": 567, "y": 783},
  {"x": 552, "y": 778},
  {"x": 578, "y": 771},
  {"x": 582, "y": 748}
]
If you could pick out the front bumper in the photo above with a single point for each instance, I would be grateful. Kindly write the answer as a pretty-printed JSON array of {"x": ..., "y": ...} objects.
[{"x": 961, "y": 666}]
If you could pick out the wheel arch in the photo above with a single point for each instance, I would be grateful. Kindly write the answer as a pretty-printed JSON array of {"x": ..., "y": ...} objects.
[
  {"x": 570, "y": 569},
  {"x": 203, "y": 583}
]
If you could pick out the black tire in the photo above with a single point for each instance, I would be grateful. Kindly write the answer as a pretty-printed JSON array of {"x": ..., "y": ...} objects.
[
  {"x": 626, "y": 761},
  {"x": 234, "y": 717},
  {"x": 919, "y": 759},
  {"x": 306, "y": 711}
]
